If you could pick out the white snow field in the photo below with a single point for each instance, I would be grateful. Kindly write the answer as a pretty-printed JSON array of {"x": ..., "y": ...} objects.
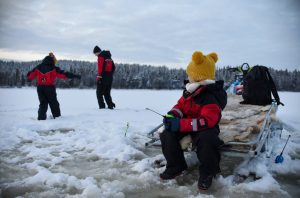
[{"x": 96, "y": 159}]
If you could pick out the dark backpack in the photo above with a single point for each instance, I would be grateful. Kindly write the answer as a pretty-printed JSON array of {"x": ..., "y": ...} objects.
[{"x": 258, "y": 86}]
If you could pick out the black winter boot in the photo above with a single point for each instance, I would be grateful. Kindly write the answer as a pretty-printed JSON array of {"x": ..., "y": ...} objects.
[
  {"x": 204, "y": 182},
  {"x": 112, "y": 106},
  {"x": 101, "y": 105},
  {"x": 171, "y": 173}
]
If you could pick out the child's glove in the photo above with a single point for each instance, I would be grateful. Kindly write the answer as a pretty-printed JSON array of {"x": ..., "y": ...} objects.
[{"x": 171, "y": 123}]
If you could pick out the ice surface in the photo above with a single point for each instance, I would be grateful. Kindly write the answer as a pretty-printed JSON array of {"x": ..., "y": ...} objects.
[{"x": 97, "y": 160}]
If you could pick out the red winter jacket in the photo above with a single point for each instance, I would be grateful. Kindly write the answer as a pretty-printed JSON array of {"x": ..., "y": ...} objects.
[
  {"x": 202, "y": 109},
  {"x": 46, "y": 73},
  {"x": 106, "y": 66}
]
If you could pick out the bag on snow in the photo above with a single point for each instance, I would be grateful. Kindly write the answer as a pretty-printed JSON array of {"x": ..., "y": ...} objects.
[{"x": 258, "y": 86}]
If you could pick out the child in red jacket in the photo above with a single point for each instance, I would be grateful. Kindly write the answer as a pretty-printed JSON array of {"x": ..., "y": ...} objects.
[
  {"x": 197, "y": 114},
  {"x": 46, "y": 74}
]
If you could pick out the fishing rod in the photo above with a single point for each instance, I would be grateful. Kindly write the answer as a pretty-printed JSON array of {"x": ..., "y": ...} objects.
[{"x": 155, "y": 112}]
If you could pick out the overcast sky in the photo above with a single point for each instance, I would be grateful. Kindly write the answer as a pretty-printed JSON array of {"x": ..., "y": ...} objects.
[{"x": 158, "y": 32}]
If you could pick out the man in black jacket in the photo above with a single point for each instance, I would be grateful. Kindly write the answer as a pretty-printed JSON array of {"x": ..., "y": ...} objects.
[{"x": 106, "y": 68}]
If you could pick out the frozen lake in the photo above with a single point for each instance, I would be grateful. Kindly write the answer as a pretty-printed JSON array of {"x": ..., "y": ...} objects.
[{"x": 96, "y": 159}]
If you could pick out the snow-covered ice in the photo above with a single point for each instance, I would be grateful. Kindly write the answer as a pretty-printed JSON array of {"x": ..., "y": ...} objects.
[{"x": 96, "y": 159}]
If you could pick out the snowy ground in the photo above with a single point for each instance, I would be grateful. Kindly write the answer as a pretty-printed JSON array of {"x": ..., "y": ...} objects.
[{"x": 97, "y": 160}]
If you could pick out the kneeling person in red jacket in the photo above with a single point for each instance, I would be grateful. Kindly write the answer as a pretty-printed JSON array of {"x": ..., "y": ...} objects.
[
  {"x": 46, "y": 74},
  {"x": 197, "y": 114}
]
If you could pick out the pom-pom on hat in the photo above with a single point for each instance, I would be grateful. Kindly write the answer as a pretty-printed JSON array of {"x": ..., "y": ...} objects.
[
  {"x": 54, "y": 58},
  {"x": 96, "y": 49},
  {"x": 202, "y": 67}
]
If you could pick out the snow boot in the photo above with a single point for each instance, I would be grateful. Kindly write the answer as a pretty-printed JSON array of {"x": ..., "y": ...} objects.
[
  {"x": 204, "y": 182},
  {"x": 112, "y": 106},
  {"x": 171, "y": 173}
]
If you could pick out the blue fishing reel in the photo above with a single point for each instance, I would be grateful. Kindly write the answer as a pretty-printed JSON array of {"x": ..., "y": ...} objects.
[{"x": 279, "y": 158}]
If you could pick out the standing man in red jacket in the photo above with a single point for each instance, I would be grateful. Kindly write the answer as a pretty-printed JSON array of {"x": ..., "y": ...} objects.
[
  {"x": 106, "y": 68},
  {"x": 197, "y": 114},
  {"x": 46, "y": 74}
]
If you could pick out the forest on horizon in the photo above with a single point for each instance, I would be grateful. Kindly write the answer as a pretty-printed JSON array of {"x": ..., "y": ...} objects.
[{"x": 131, "y": 76}]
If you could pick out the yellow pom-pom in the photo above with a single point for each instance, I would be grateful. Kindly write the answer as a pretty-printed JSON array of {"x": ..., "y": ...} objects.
[
  {"x": 197, "y": 57},
  {"x": 54, "y": 58},
  {"x": 214, "y": 56}
]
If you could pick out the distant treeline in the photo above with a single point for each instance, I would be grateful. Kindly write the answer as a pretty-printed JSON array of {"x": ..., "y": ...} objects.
[{"x": 130, "y": 76}]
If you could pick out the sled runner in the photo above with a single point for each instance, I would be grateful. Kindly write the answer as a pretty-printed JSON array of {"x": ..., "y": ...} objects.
[{"x": 247, "y": 130}]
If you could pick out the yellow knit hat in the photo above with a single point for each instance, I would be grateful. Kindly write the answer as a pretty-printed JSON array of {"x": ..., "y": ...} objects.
[{"x": 202, "y": 67}]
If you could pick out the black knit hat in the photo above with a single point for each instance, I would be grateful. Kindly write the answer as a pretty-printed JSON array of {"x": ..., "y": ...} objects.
[
  {"x": 96, "y": 49},
  {"x": 48, "y": 60}
]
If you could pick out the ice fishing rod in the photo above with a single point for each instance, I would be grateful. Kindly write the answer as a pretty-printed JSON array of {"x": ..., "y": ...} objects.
[
  {"x": 155, "y": 112},
  {"x": 279, "y": 158}
]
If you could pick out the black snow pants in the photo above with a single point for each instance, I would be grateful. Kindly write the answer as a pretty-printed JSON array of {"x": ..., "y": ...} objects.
[
  {"x": 103, "y": 89},
  {"x": 47, "y": 95},
  {"x": 207, "y": 144}
]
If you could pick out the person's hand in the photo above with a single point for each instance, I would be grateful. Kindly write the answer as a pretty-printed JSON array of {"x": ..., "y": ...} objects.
[
  {"x": 280, "y": 103},
  {"x": 98, "y": 77},
  {"x": 171, "y": 123}
]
